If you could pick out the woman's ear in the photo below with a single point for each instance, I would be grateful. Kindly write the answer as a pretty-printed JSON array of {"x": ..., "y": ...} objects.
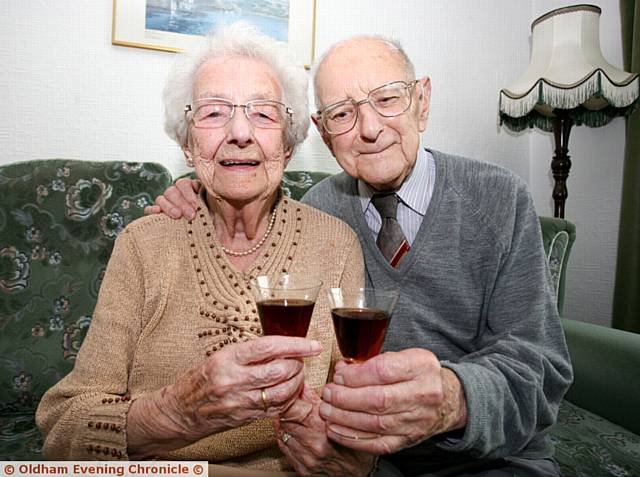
[
  {"x": 288, "y": 154},
  {"x": 188, "y": 156},
  {"x": 187, "y": 151}
]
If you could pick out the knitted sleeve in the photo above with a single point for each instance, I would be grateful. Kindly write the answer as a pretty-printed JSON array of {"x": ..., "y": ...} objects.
[
  {"x": 83, "y": 417},
  {"x": 515, "y": 379}
]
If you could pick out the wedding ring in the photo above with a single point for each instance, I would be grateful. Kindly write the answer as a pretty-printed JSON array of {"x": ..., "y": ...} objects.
[
  {"x": 263, "y": 395},
  {"x": 285, "y": 437}
]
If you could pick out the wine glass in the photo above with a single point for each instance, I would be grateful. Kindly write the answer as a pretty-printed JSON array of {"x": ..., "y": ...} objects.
[
  {"x": 360, "y": 319},
  {"x": 285, "y": 303}
]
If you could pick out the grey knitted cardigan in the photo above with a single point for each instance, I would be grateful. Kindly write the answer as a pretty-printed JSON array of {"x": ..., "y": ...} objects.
[{"x": 476, "y": 291}]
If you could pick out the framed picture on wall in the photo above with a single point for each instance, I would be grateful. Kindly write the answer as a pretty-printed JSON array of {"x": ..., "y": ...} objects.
[{"x": 173, "y": 25}]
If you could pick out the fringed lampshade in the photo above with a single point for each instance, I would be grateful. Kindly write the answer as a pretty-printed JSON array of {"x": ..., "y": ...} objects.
[{"x": 568, "y": 82}]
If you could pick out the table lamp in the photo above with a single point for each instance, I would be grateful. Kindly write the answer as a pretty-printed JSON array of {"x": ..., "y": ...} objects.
[{"x": 567, "y": 82}]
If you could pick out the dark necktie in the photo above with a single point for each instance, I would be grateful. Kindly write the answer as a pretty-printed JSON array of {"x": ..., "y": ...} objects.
[{"x": 391, "y": 240}]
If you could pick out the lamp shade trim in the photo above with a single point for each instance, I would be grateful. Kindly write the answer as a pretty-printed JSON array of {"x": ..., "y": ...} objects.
[
  {"x": 570, "y": 9},
  {"x": 593, "y": 101},
  {"x": 580, "y": 117}
]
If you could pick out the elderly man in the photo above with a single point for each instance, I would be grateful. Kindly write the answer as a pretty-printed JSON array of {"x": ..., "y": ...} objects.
[{"x": 475, "y": 363}]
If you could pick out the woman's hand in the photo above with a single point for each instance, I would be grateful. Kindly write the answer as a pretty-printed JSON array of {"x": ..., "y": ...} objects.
[
  {"x": 302, "y": 437},
  {"x": 236, "y": 385}
]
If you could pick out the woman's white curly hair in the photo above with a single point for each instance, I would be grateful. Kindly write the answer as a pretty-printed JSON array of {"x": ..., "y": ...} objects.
[{"x": 238, "y": 39}]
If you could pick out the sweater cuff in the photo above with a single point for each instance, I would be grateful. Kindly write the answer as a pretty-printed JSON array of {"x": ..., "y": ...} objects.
[
  {"x": 478, "y": 415},
  {"x": 103, "y": 429}
]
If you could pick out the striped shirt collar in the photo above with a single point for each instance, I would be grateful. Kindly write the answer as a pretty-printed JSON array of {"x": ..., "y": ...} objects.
[{"x": 412, "y": 190}]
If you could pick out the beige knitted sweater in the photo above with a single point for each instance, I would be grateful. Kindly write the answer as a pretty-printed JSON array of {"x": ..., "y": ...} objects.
[{"x": 169, "y": 299}]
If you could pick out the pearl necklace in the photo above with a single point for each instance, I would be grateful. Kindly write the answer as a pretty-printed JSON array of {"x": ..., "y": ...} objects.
[{"x": 244, "y": 253}]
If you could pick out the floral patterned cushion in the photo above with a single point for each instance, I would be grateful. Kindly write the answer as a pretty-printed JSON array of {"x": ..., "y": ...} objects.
[
  {"x": 296, "y": 183},
  {"x": 58, "y": 222},
  {"x": 588, "y": 445}
]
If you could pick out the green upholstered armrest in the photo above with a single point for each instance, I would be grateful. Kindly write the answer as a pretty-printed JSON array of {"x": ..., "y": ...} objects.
[
  {"x": 606, "y": 365},
  {"x": 558, "y": 236}
]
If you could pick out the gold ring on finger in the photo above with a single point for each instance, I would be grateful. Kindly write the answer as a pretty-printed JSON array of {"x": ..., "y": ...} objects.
[{"x": 263, "y": 395}]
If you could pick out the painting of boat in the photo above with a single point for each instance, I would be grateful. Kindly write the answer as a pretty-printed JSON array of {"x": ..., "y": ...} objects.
[{"x": 197, "y": 17}]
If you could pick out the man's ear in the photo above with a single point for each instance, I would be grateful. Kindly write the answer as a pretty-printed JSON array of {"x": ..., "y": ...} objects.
[
  {"x": 326, "y": 137},
  {"x": 424, "y": 100}
]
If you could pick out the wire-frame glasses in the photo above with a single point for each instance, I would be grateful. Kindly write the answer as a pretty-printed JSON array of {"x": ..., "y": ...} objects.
[
  {"x": 212, "y": 113},
  {"x": 389, "y": 100}
]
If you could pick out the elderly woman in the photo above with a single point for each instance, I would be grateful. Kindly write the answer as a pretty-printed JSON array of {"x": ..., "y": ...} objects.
[{"x": 174, "y": 365}]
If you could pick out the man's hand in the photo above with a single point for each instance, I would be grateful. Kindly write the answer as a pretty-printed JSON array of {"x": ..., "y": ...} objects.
[
  {"x": 178, "y": 200},
  {"x": 392, "y": 401},
  {"x": 307, "y": 447}
]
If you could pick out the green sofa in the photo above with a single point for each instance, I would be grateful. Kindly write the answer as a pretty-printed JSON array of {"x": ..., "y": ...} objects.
[{"x": 58, "y": 222}]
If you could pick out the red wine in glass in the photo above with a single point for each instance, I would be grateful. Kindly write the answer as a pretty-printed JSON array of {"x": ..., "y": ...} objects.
[
  {"x": 285, "y": 302},
  {"x": 360, "y": 332},
  {"x": 285, "y": 316}
]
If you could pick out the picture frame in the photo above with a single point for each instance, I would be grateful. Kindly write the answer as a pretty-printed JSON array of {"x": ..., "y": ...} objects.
[{"x": 130, "y": 16}]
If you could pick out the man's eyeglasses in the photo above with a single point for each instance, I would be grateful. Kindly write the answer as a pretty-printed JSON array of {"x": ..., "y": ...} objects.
[
  {"x": 389, "y": 100},
  {"x": 212, "y": 113}
]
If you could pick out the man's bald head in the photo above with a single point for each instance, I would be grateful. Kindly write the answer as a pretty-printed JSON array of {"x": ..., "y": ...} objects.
[{"x": 374, "y": 45}]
